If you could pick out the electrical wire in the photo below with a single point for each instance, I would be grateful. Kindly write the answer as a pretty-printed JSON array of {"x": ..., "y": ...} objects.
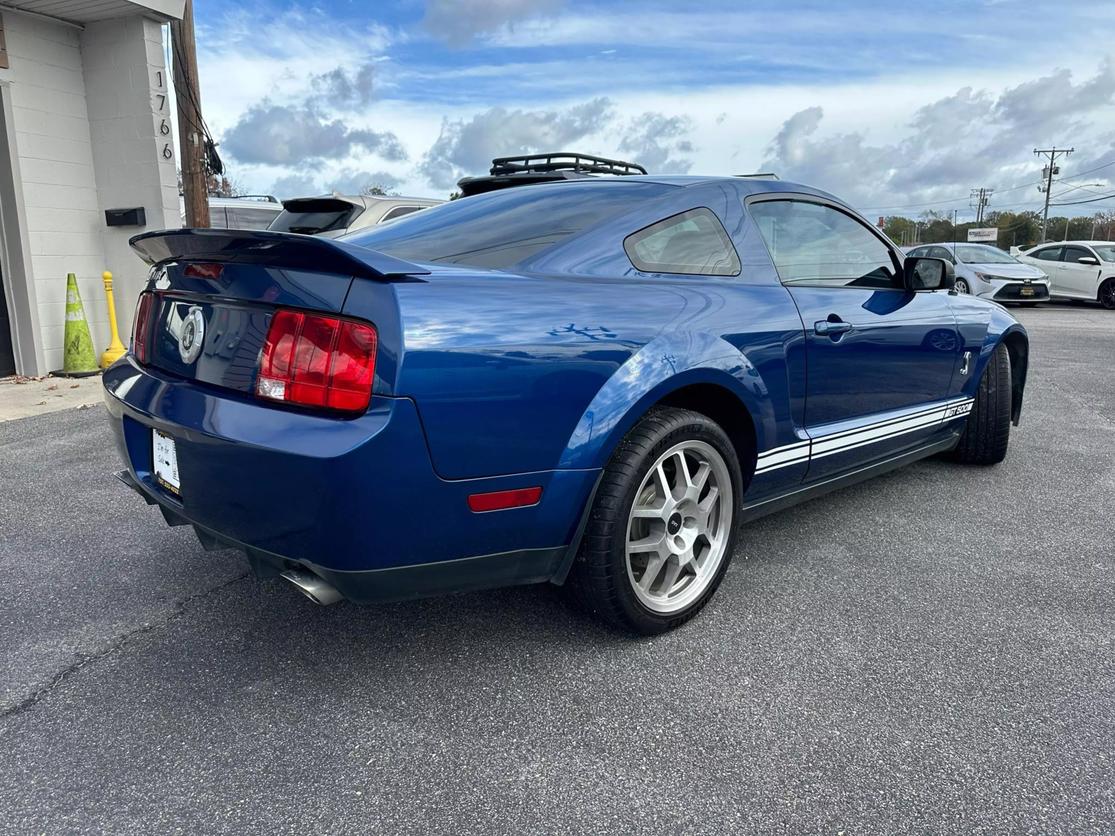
[{"x": 1091, "y": 200}]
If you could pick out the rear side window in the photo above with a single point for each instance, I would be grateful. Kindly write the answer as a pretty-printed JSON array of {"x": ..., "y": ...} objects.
[
  {"x": 1048, "y": 254},
  {"x": 814, "y": 244},
  {"x": 398, "y": 212},
  {"x": 693, "y": 243},
  {"x": 499, "y": 229}
]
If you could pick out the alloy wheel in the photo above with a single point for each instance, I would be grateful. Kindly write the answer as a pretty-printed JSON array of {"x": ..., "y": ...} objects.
[
  {"x": 679, "y": 527},
  {"x": 962, "y": 286}
]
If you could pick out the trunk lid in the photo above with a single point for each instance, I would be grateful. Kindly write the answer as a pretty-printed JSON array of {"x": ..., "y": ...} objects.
[{"x": 217, "y": 290}]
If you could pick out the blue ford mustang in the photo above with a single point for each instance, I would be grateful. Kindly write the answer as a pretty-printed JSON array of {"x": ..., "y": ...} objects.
[{"x": 591, "y": 383}]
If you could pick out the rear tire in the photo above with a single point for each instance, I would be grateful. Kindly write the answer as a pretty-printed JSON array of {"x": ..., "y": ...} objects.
[
  {"x": 662, "y": 526},
  {"x": 987, "y": 431}
]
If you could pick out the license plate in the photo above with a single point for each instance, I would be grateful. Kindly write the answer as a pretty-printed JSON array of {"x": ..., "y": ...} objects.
[
  {"x": 165, "y": 456},
  {"x": 1027, "y": 291}
]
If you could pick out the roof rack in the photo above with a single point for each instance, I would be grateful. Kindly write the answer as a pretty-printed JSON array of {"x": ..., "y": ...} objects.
[{"x": 563, "y": 161}]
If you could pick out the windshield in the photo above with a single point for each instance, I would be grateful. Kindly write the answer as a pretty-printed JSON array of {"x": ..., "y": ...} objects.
[
  {"x": 499, "y": 229},
  {"x": 1105, "y": 251},
  {"x": 980, "y": 254}
]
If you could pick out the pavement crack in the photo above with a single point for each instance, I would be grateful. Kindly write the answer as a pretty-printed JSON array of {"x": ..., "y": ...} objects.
[{"x": 112, "y": 648}]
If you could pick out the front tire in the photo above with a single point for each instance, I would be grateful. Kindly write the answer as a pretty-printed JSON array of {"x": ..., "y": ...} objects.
[
  {"x": 1106, "y": 295},
  {"x": 662, "y": 526},
  {"x": 961, "y": 286},
  {"x": 987, "y": 431}
]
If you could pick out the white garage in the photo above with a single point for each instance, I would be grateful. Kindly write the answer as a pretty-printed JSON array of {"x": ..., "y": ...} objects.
[{"x": 84, "y": 127}]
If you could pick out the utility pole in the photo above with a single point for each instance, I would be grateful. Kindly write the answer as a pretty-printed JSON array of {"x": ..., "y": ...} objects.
[
  {"x": 1051, "y": 169},
  {"x": 979, "y": 199},
  {"x": 191, "y": 134}
]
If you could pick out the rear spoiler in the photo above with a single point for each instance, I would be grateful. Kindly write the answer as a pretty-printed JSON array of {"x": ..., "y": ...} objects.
[{"x": 280, "y": 249}]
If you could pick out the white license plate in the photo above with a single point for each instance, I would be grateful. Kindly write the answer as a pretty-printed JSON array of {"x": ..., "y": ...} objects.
[{"x": 165, "y": 456}]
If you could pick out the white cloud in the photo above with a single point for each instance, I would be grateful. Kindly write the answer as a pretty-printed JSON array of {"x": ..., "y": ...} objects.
[{"x": 467, "y": 146}]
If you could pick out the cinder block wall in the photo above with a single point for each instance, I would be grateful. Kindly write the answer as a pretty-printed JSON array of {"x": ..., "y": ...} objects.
[{"x": 129, "y": 105}]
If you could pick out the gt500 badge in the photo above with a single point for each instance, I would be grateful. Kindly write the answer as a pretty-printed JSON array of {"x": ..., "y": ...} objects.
[
  {"x": 192, "y": 335},
  {"x": 959, "y": 409}
]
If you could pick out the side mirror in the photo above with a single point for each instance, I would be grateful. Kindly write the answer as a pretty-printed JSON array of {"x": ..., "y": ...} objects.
[
  {"x": 928, "y": 274},
  {"x": 1089, "y": 259}
]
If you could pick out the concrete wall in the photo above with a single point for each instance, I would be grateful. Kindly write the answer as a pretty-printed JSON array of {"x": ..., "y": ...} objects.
[
  {"x": 129, "y": 104},
  {"x": 87, "y": 138},
  {"x": 55, "y": 164}
]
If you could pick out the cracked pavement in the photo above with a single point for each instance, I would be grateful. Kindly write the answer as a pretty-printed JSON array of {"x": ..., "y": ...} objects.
[{"x": 931, "y": 651}]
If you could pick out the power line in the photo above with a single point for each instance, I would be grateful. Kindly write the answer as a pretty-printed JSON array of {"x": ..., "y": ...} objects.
[{"x": 1090, "y": 200}]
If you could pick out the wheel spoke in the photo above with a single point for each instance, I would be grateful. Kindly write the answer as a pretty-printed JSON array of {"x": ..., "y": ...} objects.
[
  {"x": 663, "y": 482},
  {"x": 700, "y": 478},
  {"x": 706, "y": 506},
  {"x": 653, "y": 543},
  {"x": 673, "y": 570},
  {"x": 654, "y": 568},
  {"x": 682, "y": 479}
]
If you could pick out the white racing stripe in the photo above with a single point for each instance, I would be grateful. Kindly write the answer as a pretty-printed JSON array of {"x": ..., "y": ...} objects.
[{"x": 801, "y": 452}]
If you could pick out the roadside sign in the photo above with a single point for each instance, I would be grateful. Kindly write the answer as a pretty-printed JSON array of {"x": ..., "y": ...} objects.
[{"x": 987, "y": 235}]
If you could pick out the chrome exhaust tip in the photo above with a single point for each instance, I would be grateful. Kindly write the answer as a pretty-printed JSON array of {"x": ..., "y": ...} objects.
[{"x": 312, "y": 586}]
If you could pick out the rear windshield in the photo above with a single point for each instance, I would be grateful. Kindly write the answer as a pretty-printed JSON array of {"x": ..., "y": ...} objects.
[
  {"x": 499, "y": 229},
  {"x": 309, "y": 217}
]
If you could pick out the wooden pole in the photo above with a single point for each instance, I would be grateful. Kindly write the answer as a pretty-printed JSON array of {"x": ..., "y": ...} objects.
[{"x": 190, "y": 137}]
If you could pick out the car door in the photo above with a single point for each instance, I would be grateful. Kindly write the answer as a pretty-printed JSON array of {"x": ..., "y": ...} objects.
[
  {"x": 879, "y": 359},
  {"x": 1081, "y": 280},
  {"x": 1049, "y": 260}
]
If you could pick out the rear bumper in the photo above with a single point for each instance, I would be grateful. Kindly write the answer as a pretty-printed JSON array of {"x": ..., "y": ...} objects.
[{"x": 356, "y": 501}]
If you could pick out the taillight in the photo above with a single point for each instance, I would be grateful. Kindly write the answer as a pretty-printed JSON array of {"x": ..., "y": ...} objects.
[
  {"x": 316, "y": 360},
  {"x": 141, "y": 326}
]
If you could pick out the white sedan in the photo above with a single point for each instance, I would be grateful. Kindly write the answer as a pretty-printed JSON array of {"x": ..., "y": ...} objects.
[{"x": 1077, "y": 269}]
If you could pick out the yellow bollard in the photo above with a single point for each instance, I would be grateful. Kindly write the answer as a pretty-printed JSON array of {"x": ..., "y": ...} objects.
[{"x": 115, "y": 348}]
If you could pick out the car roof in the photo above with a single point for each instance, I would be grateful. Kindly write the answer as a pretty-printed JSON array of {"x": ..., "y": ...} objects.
[{"x": 745, "y": 185}]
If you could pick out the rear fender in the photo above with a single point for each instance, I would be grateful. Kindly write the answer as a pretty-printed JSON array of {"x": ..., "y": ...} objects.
[{"x": 665, "y": 365}]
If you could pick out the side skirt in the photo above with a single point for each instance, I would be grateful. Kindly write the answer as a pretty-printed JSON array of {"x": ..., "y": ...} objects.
[{"x": 804, "y": 494}]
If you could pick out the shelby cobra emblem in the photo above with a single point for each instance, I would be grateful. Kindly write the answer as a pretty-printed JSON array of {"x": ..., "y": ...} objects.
[{"x": 192, "y": 335}]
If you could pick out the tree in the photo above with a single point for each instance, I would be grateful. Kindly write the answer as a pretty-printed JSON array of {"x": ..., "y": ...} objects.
[
  {"x": 1016, "y": 229},
  {"x": 225, "y": 186},
  {"x": 901, "y": 230}
]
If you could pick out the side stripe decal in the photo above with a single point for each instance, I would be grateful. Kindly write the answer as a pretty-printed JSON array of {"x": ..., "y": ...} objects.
[{"x": 845, "y": 440}]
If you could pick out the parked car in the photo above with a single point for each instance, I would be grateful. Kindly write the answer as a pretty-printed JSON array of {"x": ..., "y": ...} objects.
[
  {"x": 248, "y": 212},
  {"x": 334, "y": 215},
  {"x": 591, "y": 382},
  {"x": 987, "y": 271},
  {"x": 1081, "y": 270}
]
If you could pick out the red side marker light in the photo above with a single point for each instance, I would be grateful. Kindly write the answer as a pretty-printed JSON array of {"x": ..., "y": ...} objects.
[{"x": 501, "y": 500}]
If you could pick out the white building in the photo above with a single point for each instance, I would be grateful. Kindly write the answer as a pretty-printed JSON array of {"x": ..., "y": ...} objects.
[{"x": 84, "y": 127}]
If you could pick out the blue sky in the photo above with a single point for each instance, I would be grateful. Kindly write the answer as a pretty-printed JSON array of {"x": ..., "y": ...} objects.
[{"x": 898, "y": 110}]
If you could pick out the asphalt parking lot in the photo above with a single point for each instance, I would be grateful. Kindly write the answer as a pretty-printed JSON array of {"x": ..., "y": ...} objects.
[{"x": 931, "y": 651}]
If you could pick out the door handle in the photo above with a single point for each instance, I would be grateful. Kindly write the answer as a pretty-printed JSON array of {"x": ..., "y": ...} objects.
[{"x": 828, "y": 328}]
